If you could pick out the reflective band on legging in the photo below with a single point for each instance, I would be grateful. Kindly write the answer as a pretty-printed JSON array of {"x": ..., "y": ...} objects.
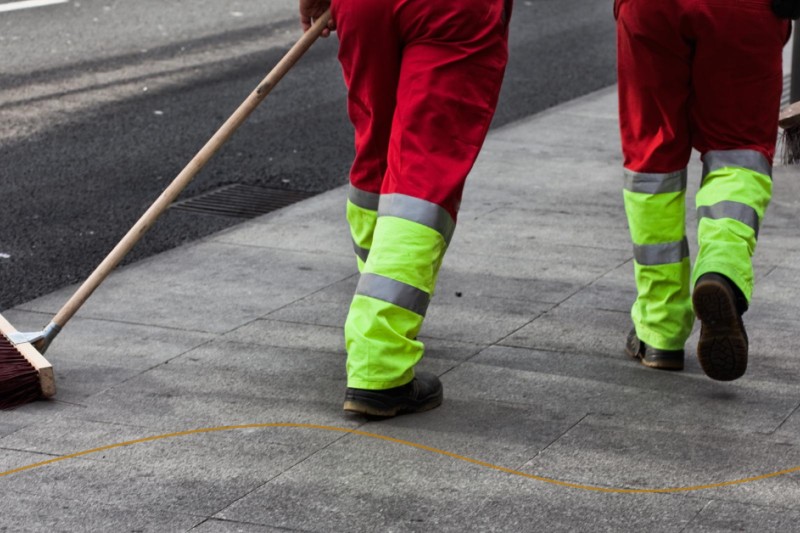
[
  {"x": 363, "y": 199},
  {"x": 394, "y": 292},
  {"x": 362, "y": 253},
  {"x": 727, "y": 209},
  {"x": 419, "y": 211},
  {"x": 749, "y": 159},
  {"x": 661, "y": 254},
  {"x": 654, "y": 183}
]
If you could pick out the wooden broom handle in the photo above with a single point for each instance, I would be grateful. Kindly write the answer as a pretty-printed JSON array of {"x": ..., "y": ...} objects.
[{"x": 190, "y": 171}]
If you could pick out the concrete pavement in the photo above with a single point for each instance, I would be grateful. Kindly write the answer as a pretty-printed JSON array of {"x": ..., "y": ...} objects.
[{"x": 526, "y": 331}]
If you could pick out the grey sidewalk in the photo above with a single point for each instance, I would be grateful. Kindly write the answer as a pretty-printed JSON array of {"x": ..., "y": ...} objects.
[{"x": 526, "y": 332}]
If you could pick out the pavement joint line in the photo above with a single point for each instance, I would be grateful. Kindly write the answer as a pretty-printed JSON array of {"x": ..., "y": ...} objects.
[
  {"x": 698, "y": 513},
  {"x": 306, "y": 296},
  {"x": 152, "y": 367},
  {"x": 566, "y": 484},
  {"x": 540, "y": 452},
  {"x": 285, "y": 470},
  {"x": 52, "y": 312},
  {"x": 499, "y": 342},
  {"x": 795, "y": 410}
]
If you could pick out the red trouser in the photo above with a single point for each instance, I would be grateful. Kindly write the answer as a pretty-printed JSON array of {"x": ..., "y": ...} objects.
[
  {"x": 423, "y": 79},
  {"x": 697, "y": 73},
  {"x": 703, "y": 74}
]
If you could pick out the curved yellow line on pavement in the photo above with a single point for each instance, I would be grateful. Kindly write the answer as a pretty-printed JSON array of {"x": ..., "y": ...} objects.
[{"x": 404, "y": 443}]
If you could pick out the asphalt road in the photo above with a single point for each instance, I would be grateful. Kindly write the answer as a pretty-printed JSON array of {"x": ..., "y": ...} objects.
[{"x": 103, "y": 103}]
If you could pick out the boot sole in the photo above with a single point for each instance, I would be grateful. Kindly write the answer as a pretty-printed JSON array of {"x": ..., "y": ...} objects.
[{"x": 722, "y": 348}]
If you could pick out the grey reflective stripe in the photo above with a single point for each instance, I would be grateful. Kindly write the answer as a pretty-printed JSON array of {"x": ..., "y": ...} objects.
[
  {"x": 363, "y": 199},
  {"x": 654, "y": 183},
  {"x": 749, "y": 159},
  {"x": 363, "y": 253},
  {"x": 661, "y": 254},
  {"x": 727, "y": 209},
  {"x": 420, "y": 211},
  {"x": 394, "y": 292}
]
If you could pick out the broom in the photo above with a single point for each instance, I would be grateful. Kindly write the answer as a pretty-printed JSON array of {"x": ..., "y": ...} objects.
[{"x": 25, "y": 375}]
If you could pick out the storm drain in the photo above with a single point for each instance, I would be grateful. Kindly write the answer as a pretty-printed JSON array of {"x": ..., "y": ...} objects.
[{"x": 240, "y": 201}]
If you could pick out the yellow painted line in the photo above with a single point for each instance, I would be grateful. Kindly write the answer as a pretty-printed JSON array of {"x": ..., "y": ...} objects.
[{"x": 404, "y": 443}]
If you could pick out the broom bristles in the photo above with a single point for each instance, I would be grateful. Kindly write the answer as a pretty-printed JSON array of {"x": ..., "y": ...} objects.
[
  {"x": 790, "y": 145},
  {"x": 19, "y": 380}
]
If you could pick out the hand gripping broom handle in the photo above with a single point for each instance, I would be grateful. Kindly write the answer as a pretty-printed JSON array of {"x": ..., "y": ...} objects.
[{"x": 180, "y": 182}]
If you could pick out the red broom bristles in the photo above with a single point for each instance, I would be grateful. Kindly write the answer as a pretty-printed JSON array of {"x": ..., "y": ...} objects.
[{"x": 19, "y": 380}]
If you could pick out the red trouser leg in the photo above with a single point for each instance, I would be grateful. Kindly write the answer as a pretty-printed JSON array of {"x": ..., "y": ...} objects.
[
  {"x": 654, "y": 83},
  {"x": 702, "y": 74},
  {"x": 737, "y": 75},
  {"x": 423, "y": 79},
  {"x": 369, "y": 52},
  {"x": 654, "y": 65},
  {"x": 696, "y": 73}
]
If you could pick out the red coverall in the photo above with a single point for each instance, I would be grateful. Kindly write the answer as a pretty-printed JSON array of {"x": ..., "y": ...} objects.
[
  {"x": 423, "y": 79},
  {"x": 702, "y": 74}
]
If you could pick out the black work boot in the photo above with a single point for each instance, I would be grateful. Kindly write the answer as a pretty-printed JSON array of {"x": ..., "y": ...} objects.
[
  {"x": 422, "y": 393},
  {"x": 653, "y": 357},
  {"x": 722, "y": 349}
]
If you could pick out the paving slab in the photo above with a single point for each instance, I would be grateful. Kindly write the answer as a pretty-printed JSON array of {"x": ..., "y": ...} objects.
[
  {"x": 94, "y": 355},
  {"x": 325, "y": 307},
  {"x": 575, "y": 330},
  {"x": 316, "y": 225},
  {"x": 331, "y": 339},
  {"x": 555, "y": 272},
  {"x": 33, "y": 513},
  {"x": 359, "y": 483},
  {"x": 613, "y": 291},
  {"x": 616, "y": 451},
  {"x": 586, "y": 383},
  {"x": 227, "y": 357},
  {"x": 780, "y": 289},
  {"x": 722, "y": 517},
  {"x": 206, "y": 287}
]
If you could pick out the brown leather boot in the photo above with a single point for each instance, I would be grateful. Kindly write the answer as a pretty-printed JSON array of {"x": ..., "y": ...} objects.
[{"x": 723, "y": 345}]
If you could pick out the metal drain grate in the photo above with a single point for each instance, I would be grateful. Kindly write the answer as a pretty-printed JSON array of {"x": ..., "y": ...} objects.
[{"x": 240, "y": 201}]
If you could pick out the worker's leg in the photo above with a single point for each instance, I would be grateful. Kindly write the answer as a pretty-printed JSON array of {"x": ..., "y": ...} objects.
[
  {"x": 452, "y": 65},
  {"x": 654, "y": 80},
  {"x": 738, "y": 83}
]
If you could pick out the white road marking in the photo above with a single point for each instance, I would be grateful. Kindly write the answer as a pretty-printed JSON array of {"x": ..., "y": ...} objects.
[{"x": 29, "y": 4}]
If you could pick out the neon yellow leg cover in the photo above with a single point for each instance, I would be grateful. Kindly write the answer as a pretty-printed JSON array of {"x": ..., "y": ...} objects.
[
  {"x": 731, "y": 204},
  {"x": 387, "y": 311},
  {"x": 662, "y": 313}
]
